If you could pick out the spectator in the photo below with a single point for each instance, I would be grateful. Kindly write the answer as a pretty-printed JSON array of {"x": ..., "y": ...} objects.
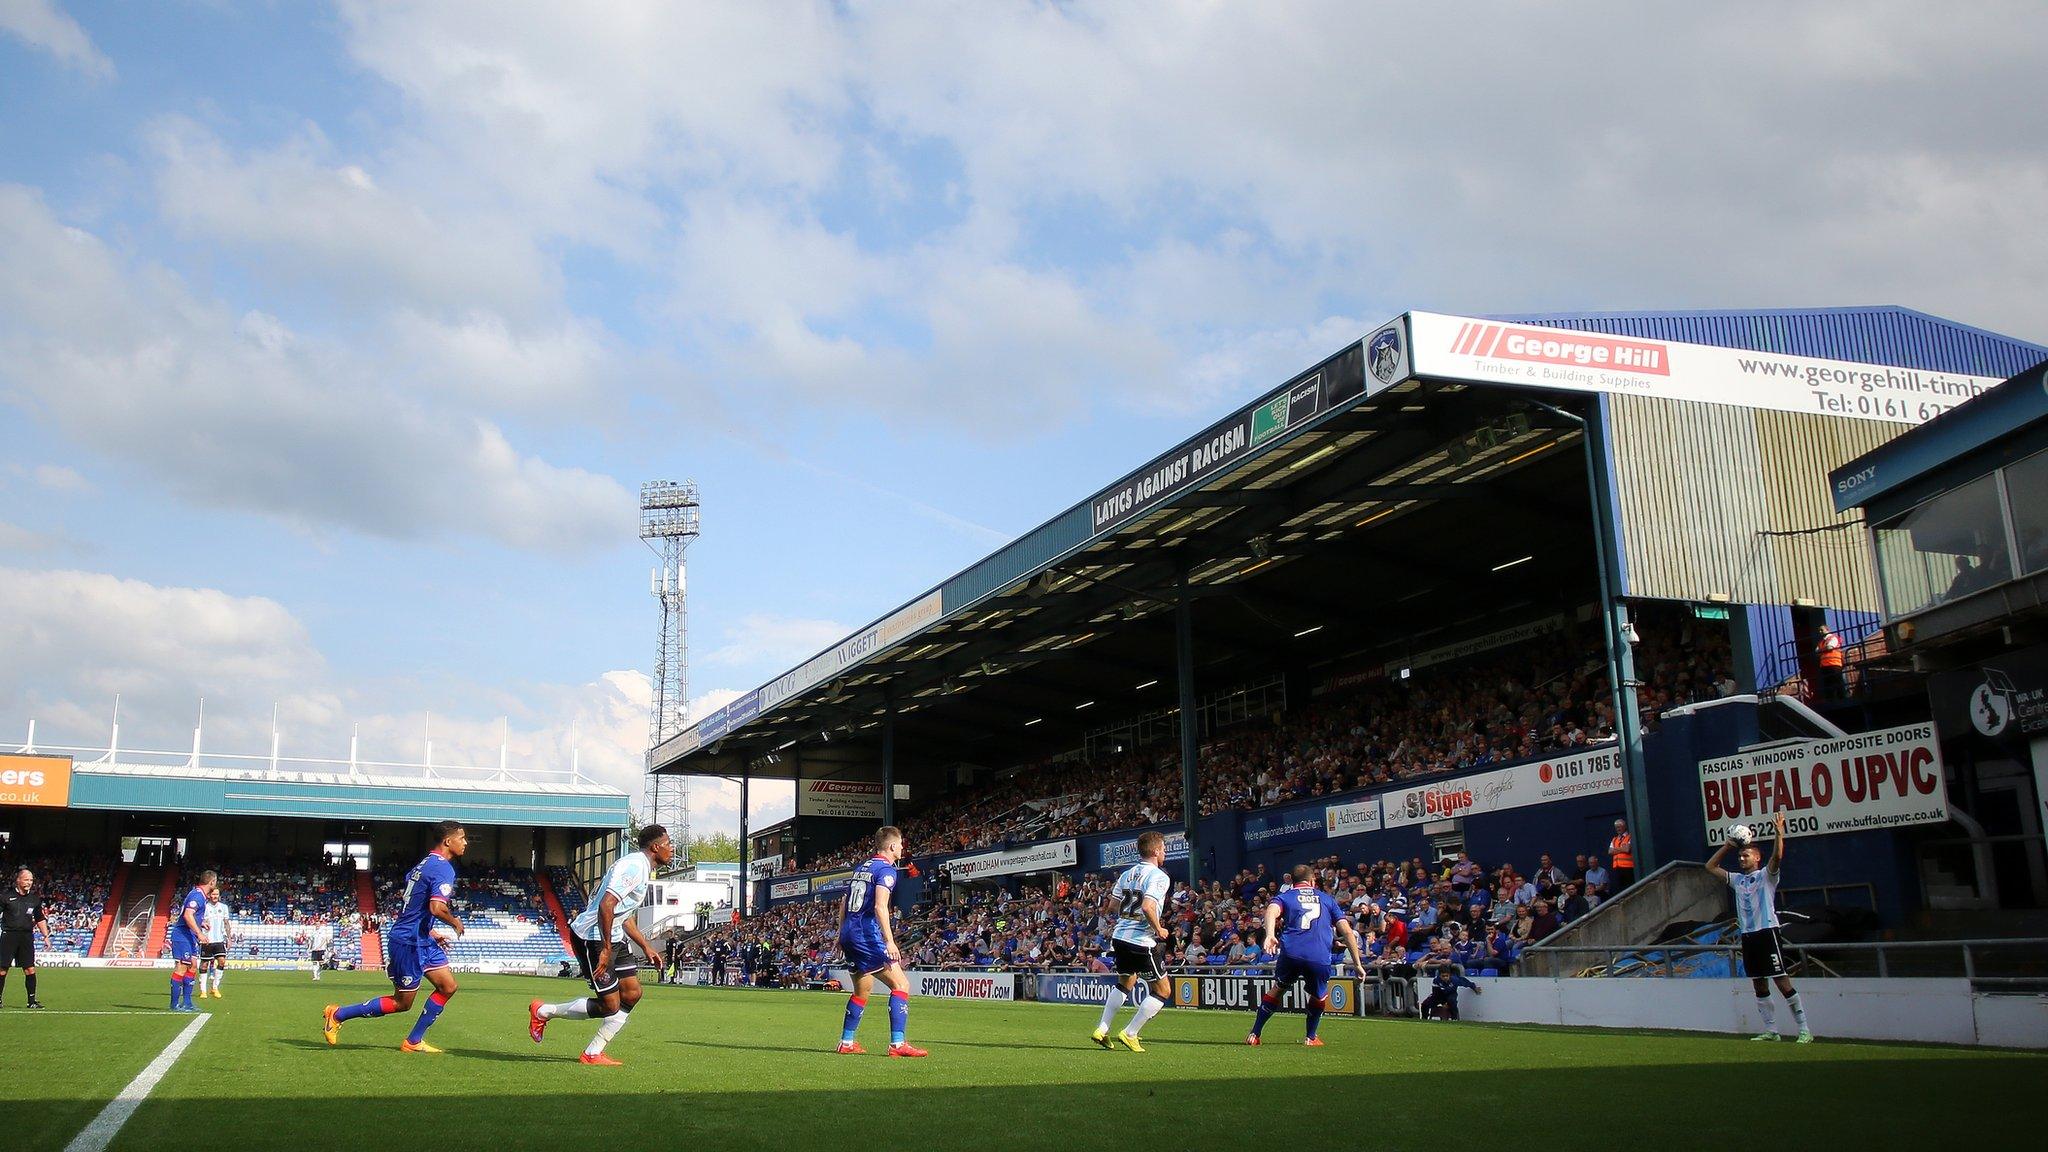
[
  {"x": 1464, "y": 873},
  {"x": 1525, "y": 892},
  {"x": 1575, "y": 905},
  {"x": 1596, "y": 878},
  {"x": 1517, "y": 703},
  {"x": 1621, "y": 858},
  {"x": 1522, "y": 932}
]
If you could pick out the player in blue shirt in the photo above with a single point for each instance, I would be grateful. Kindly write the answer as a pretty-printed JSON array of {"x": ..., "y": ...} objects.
[
  {"x": 868, "y": 939},
  {"x": 186, "y": 933},
  {"x": 412, "y": 946},
  {"x": 1302, "y": 923},
  {"x": 1442, "y": 1001}
]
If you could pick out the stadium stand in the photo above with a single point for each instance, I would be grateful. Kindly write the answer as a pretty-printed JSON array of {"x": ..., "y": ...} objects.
[
  {"x": 1407, "y": 912},
  {"x": 1531, "y": 700},
  {"x": 567, "y": 890},
  {"x": 273, "y": 906},
  {"x": 500, "y": 907},
  {"x": 74, "y": 892}
]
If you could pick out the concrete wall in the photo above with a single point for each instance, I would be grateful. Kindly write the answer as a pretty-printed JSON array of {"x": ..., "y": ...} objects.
[
  {"x": 1932, "y": 1011},
  {"x": 1683, "y": 892}
]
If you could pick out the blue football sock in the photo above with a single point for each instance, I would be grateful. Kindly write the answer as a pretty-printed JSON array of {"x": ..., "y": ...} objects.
[
  {"x": 855, "y": 1005},
  {"x": 1267, "y": 1006},
  {"x": 899, "y": 1016},
  {"x": 177, "y": 987},
  {"x": 428, "y": 1014},
  {"x": 1315, "y": 1016},
  {"x": 376, "y": 1006}
]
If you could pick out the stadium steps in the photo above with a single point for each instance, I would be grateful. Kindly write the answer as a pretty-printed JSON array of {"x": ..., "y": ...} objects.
[
  {"x": 160, "y": 924},
  {"x": 366, "y": 906},
  {"x": 553, "y": 905},
  {"x": 140, "y": 903},
  {"x": 110, "y": 911},
  {"x": 1675, "y": 958},
  {"x": 1679, "y": 891}
]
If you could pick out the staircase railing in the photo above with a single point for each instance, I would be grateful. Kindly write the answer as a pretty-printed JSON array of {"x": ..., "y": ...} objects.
[{"x": 133, "y": 934}]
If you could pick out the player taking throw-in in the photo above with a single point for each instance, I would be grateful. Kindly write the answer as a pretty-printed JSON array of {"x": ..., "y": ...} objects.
[{"x": 1756, "y": 915}]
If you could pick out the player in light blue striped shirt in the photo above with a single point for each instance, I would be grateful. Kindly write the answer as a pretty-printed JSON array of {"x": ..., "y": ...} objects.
[
  {"x": 1756, "y": 917},
  {"x": 1136, "y": 942}
]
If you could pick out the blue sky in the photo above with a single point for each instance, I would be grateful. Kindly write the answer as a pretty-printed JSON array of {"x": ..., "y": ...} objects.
[{"x": 335, "y": 340}]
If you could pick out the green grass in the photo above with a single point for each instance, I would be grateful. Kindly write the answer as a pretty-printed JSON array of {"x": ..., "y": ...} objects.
[{"x": 708, "y": 1068}]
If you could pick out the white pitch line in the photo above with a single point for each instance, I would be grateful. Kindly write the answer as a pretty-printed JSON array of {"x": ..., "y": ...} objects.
[{"x": 100, "y": 1132}]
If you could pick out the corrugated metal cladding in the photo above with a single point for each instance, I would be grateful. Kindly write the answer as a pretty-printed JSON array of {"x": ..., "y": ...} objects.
[
  {"x": 1899, "y": 337},
  {"x": 1720, "y": 500},
  {"x": 1777, "y": 645},
  {"x": 1773, "y": 642}
]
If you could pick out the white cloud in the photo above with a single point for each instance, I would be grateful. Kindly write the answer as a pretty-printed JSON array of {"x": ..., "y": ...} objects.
[
  {"x": 763, "y": 640},
  {"x": 77, "y": 639},
  {"x": 715, "y": 804},
  {"x": 60, "y": 478},
  {"x": 706, "y": 703},
  {"x": 313, "y": 217},
  {"x": 576, "y": 119},
  {"x": 42, "y": 25},
  {"x": 242, "y": 413},
  {"x": 1130, "y": 205},
  {"x": 598, "y": 727},
  {"x": 15, "y": 538},
  {"x": 950, "y": 333},
  {"x": 556, "y": 370}
]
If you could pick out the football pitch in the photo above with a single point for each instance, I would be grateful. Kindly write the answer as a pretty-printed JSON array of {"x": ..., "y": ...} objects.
[{"x": 731, "y": 1068}]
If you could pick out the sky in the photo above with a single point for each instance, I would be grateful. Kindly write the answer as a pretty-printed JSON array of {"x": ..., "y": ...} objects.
[{"x": 335, "y": 340}]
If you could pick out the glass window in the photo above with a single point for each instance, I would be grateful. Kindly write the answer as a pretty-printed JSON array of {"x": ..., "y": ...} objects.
[
  {"x": 2026, "y": 486},
  {"x": 1945, "y": 549}
]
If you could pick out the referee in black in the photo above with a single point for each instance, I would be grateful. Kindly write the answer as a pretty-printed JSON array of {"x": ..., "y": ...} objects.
[{"x": 21, "y": 917}]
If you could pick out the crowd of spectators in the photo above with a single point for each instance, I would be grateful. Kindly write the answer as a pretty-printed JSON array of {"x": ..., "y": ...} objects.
[
  {"x": 1541, "y": 698},
  {"x": 74, "y": 891},
  {"x": 1455, "y": 911},
  {"x": 513, "y": 893},
  {"x": 302, "y": 893}
]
